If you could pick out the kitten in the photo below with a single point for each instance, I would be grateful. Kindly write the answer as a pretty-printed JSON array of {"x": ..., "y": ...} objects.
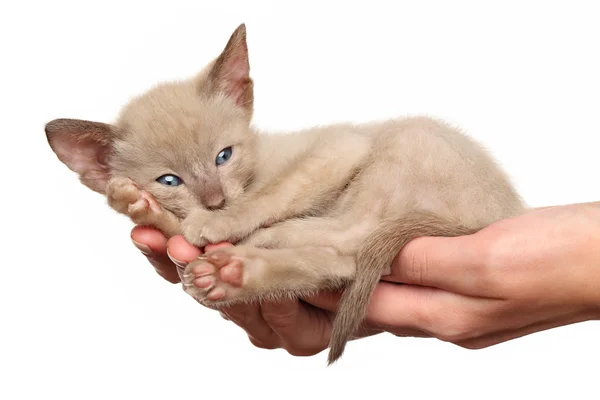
[{"x": 323, "y": 208}]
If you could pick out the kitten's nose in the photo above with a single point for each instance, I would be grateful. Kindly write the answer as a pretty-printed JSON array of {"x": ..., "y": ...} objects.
[
  {"x": 212, "y": 198},
  {"x": 209, "y": 192},
  {"x": 215, "y": 203}
]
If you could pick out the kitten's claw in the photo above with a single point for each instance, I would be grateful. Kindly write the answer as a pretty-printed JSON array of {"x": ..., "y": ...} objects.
[
  {"x": 121, "y": 192},
  {"x": 139, "y": 208}
]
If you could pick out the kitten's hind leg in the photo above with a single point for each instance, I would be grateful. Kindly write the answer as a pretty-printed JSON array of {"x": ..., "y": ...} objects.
[{"x": 247, "y": 274}]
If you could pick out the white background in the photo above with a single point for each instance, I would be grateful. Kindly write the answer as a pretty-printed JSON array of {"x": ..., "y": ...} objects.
[{"x": 83, "y": 316}]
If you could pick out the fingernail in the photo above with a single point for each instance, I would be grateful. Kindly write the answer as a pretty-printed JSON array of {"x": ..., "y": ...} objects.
[
  {"x": 387, "y": 271},
  {"x": 180, "y": 264},
  {"x": 143, "y": 248}
]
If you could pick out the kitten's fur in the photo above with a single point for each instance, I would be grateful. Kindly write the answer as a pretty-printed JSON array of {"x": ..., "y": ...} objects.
[{"x": 323, "y": 208}]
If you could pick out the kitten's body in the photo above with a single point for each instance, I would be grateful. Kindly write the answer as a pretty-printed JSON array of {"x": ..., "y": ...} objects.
[{"x": 323, "y": 208}]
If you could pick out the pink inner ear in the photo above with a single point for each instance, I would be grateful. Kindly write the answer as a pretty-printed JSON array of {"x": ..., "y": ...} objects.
[
  {"x": 85, "y": 156},
  {"x": 235, "y": 77},
  {"x": 238, "y": 68}
]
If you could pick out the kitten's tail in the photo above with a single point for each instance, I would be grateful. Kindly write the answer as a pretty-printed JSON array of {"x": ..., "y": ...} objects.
[{"x": 376, "y": 254}]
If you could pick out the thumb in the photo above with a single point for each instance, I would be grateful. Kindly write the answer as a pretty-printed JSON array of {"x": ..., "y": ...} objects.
[{"x": 449, "y": 263}]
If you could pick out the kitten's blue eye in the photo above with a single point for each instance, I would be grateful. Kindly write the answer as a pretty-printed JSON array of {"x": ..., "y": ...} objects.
[
  {"x": 170, "y": 180},
  {"x": 223, "y": 156}
]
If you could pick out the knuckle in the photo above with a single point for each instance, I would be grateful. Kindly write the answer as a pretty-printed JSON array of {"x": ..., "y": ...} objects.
[
  {"x": 416, "y": 269},
  {"x": 491, "y": 276},
  {"x": 458, "y": 329},
  {"x": 499, "y": 252}
]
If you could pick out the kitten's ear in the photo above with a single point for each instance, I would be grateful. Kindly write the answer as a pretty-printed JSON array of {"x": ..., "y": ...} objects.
[
  {"x": 230, "y": 73},
  {"x": 83, "y": 146}
]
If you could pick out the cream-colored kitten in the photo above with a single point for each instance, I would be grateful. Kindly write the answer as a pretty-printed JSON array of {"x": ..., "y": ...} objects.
[{"x": 322, "y": 208}]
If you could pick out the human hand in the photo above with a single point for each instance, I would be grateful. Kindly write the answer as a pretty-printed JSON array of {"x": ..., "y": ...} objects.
[
  {"x": 300, "y": 328},
  {"x": 518, "y": 276}
]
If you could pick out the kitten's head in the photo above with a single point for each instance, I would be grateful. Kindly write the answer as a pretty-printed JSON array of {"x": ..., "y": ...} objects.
[{"x": 188, "y": 143}]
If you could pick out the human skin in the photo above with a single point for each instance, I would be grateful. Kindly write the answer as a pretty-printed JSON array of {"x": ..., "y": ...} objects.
[{"x": 518, "y": 276}]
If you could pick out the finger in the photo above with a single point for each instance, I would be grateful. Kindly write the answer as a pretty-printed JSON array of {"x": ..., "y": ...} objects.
[
  {"x": 304, "y": 330},
  {"x": 378, "y": 320},
  {"x": 153, "y": 244},
  {"x": 393, "y": 307},
  {"x": 181, "y": 250},
  {"x": 249, "y": 318},
  {"x": 328, "y": 301},
  {"x": 510, "y": 334},
  {"x": 450, "y": 263},
  {"x": 181, "y": 253},
  {"x": 325, "y": 300},
  {"x": 405, "y": 307}
]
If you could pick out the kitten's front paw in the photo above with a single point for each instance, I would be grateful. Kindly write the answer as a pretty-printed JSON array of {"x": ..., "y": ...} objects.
[
  {"x": 192, "y": 228},
  {"x": 141, "y": 207},
  {"x": 202, "y": 227},
  {"x": 121, "y": 193},
  {"x": 264, "y": 238}
]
